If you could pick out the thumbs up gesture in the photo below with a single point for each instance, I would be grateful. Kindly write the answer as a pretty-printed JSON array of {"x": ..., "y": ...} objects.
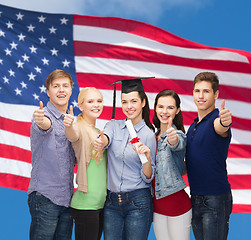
[
  {"x": 171, "y": 133},
  {"x": 39, "y": 114},
  {"x": 69, "y": 118},
  {"x": 225, "y": 115},
  {"x": 100, "y": 142}
]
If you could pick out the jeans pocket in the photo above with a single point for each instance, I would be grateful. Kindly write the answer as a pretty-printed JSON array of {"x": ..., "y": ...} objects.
[{"x": 142, "y": 202}]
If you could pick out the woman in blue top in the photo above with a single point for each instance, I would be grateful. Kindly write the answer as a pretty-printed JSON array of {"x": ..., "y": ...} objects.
[
  {"x": 172, "y": 206},
  {"x": 128, "y": 209}
]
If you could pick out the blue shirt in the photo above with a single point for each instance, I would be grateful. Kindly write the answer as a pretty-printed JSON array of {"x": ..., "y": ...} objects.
[
  {"x": 170, "y": 165},
  {"x": 52, "y": 159},
  {"x": 124, "y": 169},
  {"x": 206, "y": 157}
]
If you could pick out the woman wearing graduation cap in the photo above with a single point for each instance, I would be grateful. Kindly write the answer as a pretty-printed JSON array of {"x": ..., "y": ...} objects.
[{"x": 128, "y": 209}]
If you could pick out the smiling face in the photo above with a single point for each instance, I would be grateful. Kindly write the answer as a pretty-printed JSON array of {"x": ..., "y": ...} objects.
[
  {"x": 204, "y": 97},
  {"x": 132, "y": 106},
  {"x": 91, "y": 105},
  {"x": 59, "y": 93},
  {"x": 166, "y": 108}
]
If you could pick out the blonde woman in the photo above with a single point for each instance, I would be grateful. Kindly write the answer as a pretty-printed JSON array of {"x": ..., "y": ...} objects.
[{"x": 88, "y": 201}]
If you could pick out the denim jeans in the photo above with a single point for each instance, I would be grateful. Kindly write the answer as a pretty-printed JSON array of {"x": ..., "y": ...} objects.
[
  {"x": 128, "y": 215},
  {"x": 48, "y": 220},
  {"x": 210, "y": 216}
]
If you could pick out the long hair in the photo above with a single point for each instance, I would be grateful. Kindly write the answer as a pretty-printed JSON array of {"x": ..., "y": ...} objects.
[
  {"x": 146, "y": 110},
  {"x": 178, "y": 120},
  {"x": 89, "y": 129}
]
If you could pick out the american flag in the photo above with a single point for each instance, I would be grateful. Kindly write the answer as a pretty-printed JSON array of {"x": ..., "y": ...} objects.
[{"x": 97, "y": 51}]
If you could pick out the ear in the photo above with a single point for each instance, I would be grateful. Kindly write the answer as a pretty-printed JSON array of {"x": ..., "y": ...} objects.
[
  {"x": 143, "y": 103},
  {"x": 216, "y": 95},
  {"x": 47, "y": 91},
  {"x": 178, "y": 110},
  {"x": 80, "y": 107}
]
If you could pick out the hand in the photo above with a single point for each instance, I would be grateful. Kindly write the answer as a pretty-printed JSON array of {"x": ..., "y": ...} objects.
[
  {"x": 225, "y": 115},
  {"x": 171, "y": 133},
  {"x": 142, "y": 149},
  {"x": 39, "y": 114},
  {"x": 69, "y": 118},
  {"x": 100, "y": 142}
]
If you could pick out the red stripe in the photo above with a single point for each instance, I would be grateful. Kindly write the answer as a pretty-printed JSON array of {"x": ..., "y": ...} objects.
[
  {"x": 14, "y": 181},
  {"x": 22, "y": 128},
  {"x": 240, "y": 181},
  {"x": 241, "y": 208},
  {"x": 12, "y": 152},
  {"x": 135, "y": 54},
  {"x": 239, "y": 151},
  {"x": 102, "y": 81}
]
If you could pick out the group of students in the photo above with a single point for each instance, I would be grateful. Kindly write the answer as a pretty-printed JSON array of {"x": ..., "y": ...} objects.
[{"x": 117, "y": 194}]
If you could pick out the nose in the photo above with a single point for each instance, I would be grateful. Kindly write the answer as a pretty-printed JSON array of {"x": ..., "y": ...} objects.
[
  {"x": 201, "y": 94},
  {"x": 61, "y": 88}
]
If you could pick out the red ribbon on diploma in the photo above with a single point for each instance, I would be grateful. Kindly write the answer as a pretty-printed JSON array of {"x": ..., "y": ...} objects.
[{"x": 135, "y": 140}]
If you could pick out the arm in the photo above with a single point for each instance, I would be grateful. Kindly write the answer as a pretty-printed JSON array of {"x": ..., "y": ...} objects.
[
  {"x": 40, "y": 119},
  {"x": 71, "y": 131},
  {"x": 224, "y": 121}
]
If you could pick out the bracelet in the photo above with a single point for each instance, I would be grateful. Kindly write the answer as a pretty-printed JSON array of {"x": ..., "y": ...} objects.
[{"x": 225, "y": 126}]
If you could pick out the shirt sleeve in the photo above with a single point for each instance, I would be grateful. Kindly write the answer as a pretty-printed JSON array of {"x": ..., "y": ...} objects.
[
  {"x": 151, "y": 143},
  {"x": 109, "y": 131},
  {"x": 39, "y": 130}
]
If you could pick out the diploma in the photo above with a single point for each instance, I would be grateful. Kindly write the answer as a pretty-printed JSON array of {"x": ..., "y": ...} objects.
[{"x": 136, "y": 140}]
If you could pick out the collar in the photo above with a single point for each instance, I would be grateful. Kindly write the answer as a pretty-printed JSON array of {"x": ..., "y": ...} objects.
[
  {"x": 207, "y": 116},
  {"x": 137, "y": 127},
  {"x": 54, "y": 111}
]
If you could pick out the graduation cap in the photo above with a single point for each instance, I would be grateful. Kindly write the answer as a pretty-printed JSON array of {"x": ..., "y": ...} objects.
[{"x": 128, "y": 85}]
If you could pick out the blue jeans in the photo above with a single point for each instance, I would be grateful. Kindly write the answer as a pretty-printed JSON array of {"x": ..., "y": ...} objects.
[
  {"x": 210, "y": 216},
  {"x": 48, "y": 220},
  {"x": 128, "y": 215}
]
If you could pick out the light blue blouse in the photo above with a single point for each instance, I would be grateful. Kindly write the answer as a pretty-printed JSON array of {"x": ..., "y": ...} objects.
[{"x": 124, "y": 169}]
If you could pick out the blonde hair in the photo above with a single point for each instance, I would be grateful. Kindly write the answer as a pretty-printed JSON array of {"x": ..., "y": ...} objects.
[{"x": 89, "y": 129}]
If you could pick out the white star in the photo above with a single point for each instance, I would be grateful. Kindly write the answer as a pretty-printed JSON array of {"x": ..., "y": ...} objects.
[
  {"x": 21, "y": 37},
  {"x": 42, "y": 40},
  {"x": 18, "y": 91},
  {"x": 25, "y": 57},
  {"x": 5, "y": 79},
  {"x": 42, "y": 18},
  {"x": 38, "y": 69},
  {"x": 52, "y": 30},
  {"x": 13, "y": 45},
  {"x": 9, "y": 25},
  {"x": 63, "y": 20},
  {"x": 36, "y": 97},
  {"x": 2, "y": 34},
  {"x": 31, "y": 28},
  {"x": 33, "y": 49},
  {"x": 7, "y": 51},
  {"x": 20, "y": 64},
  {"x": 64, "y": 41},
  {"x": 19, "y": 16},
  {"x": 31, "y": 76},
  {"x": 42, "y": 89},
  {"x": 54, "y": 52},
  {"x": 24, "y": 85},
  {"x": 66, "y": 63},
  {"x": 11, "y": 73},
  {"x": 45, "y": 61},
  {"x": 1, "y": 61},
  {"x": 74, "y": 103}
]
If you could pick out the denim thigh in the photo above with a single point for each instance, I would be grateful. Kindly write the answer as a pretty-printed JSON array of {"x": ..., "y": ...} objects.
[
  {"x": 48, "y": 220},
  {"x": 128, "y": 215},
  {"x": 210, "y": 218}
]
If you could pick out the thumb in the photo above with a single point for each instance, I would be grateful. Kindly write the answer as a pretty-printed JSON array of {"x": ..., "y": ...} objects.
[
  {"x": 222, "y": 106},
  {"x": 71, "y": 110},
  {"x": 101, "y": 134},
  {"x": 170, "y": 123},
  {"x": 41, "y": 105}
]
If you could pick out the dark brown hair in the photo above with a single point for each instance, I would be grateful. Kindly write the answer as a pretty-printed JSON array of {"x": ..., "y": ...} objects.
[
  {"x": 178, "y": 120},
  {"x": 208, "y": 77}
]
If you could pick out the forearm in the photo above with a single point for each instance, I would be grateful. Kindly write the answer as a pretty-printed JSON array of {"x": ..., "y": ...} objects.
[
  {"x": 45, "y": 124},
  {"x": 71, "y": 133}
]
